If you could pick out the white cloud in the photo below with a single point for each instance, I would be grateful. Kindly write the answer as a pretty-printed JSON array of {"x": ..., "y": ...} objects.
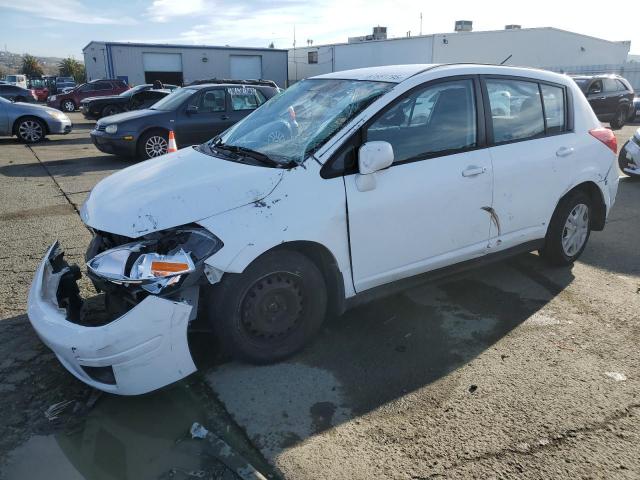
[
  {"x": 164, "y": 10},
  {"x": 65, "y": 11}
]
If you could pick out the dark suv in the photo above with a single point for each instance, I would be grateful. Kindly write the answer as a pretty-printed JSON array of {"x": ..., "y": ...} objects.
[
  {"x": 68, "y": 102},
  {"x": 137, "y": 98},
  {"x": 195, "y": 114},
  {"x": 610, "y": 96}
]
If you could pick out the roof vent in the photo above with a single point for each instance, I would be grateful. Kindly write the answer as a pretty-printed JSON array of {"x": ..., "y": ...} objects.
[
  {"x": 513, "y": 26},
  {"x": 463, "y": 26}
]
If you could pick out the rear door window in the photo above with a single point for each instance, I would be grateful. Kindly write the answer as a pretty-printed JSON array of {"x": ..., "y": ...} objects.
[
  {"x": 101, "y": 86},
  {"x": 516, "y": 110},
  {"x": 245, "y": 98},
  {"x": 610, "y": 85}
]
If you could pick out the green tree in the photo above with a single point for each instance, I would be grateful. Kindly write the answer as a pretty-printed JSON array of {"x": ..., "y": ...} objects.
[
  {"x": 31, "y": 66},
  {"x": 70, "y": 67}
]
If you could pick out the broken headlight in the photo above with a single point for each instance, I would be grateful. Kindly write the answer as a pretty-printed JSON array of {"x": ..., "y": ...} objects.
[{"x": 158, "y": 262}]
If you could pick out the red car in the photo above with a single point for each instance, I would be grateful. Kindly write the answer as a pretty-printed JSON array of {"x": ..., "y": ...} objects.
[
  {"x": 38, "y": 87},
  {"x": 69, "y": 102}
]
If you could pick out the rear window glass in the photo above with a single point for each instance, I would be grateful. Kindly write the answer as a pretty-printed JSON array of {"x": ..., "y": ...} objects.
[{"x": 554, "y": 108}]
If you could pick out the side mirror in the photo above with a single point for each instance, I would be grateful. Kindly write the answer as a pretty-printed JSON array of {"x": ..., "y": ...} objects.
[
  {"x": 374, "y": 156},
  {"x": 191, "y": 109}
]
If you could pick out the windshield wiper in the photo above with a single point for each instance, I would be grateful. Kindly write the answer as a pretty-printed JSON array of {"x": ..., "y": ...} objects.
[{"x": 254, "y": 154}]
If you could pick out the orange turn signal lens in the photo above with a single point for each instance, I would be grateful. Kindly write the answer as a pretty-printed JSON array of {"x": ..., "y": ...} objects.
[{"x": 162, "y": 269}]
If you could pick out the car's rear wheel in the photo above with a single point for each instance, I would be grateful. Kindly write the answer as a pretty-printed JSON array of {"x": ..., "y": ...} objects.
[
  {"x": 153, "y": 144},
  {"x": 30, "y": 130},
  {"x": 619, "y": 119},
  {"x": 569, "y": 229},
  {"x": 622, "y": 158},
  {"x": 68, "y": 106},
  {"x": 272, "y": 309},
  {"x": 110, "y": 110}
]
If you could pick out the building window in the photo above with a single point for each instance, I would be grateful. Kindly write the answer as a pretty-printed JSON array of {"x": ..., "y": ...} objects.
[{"x": 312, "y": 57}]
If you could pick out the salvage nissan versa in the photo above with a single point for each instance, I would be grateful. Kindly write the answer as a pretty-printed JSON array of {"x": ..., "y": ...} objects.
[{"x": 344, "y": 187}]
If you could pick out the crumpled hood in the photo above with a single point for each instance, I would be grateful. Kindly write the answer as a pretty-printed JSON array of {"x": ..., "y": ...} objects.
[{"x": 174, "y": 190}]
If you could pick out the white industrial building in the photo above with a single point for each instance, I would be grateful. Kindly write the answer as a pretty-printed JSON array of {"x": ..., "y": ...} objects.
[
  {"x": 535, "y": 47},
  {"x": 138, "y": 63}
]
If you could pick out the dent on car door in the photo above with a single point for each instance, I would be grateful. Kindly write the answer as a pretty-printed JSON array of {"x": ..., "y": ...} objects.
[
  {"x": 429, "y": 209},
  {"x": 531, "y": 155}
]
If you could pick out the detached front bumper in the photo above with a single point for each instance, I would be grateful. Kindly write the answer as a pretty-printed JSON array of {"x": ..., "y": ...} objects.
[{"x": 143, "y": 350}]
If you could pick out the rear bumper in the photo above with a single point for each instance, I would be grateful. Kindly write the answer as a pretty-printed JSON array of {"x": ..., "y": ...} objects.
[
  {"x": 113, "y": 144},
  {"x": 143, "y": 350}
]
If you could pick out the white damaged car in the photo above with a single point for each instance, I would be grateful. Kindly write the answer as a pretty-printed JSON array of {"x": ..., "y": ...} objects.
[
  {"x": 629, "y": 156},
  {"x": 343, "y": 188}
]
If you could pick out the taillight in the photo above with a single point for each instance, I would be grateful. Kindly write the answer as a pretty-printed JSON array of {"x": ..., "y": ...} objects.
[{"x": 606, "y": 136}]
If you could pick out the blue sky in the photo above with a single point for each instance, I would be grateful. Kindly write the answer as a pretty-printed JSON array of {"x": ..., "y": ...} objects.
[{"x": 63, "y": 27}]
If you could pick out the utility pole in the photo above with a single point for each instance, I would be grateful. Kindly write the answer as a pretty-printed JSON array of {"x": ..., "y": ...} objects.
[{"x": 420, "y": 23}]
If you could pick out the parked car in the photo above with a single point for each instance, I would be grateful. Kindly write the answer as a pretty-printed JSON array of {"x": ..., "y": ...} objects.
[
  {"x": 17, "y": 94},
  {"x": 610, "y": 96},
  {"x": 137, "y": 98},
  {"x": 68, "y": 102},
  {"x": 629, "y": 156},
  {"x": 17, "y": 80},
  {"x": 194, "y": 113},
  {"x": 65, "y": 83},
  {"x": 40, "y": 89},
  {"x": 31, "y": 123},
  {"x": 250, "y": 231}
]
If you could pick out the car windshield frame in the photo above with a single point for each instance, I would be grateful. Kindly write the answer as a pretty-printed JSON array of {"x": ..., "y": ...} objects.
[
  {"x": 174, "y": 100},
  {"x": 294, "y": 124}
]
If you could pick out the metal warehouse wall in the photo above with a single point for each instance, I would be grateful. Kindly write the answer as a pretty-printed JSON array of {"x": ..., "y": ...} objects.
[
  {"x": 534, "y": 47},
  {"x": 127, "y": 60}
]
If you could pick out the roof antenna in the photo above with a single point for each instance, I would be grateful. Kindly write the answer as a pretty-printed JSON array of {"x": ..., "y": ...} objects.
[{"x": 506, "y": 59}]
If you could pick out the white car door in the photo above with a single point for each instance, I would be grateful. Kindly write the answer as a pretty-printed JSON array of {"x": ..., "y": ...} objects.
[
  {"x": 427, "y": 210},
  {"x": 532, "y": 157}
]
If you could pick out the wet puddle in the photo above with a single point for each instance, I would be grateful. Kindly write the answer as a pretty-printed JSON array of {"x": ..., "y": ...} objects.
[{"x": 123, "y": 438}]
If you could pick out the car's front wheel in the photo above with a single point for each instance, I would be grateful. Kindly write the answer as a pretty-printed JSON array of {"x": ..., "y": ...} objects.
[
  {"x": 110, "y": 110},
  {"x": 30, "y": 130},
  {"x": 272, "y": 309},
  {"x": 153, "y": 144},
  {"x": 569, "y": 229},
  {"x": 68, "y": 106}
]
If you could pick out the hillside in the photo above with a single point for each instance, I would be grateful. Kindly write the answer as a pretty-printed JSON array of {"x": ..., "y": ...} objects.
[{"x": 12, "y": 63}]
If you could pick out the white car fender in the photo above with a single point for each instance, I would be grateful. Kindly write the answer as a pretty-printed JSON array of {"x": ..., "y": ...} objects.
[{"x": 304, "y": 207}]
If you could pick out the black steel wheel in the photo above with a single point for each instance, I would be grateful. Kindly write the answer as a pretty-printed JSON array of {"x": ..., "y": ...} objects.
[{"x": 272, "y": 309}]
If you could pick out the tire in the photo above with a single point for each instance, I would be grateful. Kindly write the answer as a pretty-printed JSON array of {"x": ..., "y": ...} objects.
[
  {"x": 622, "y": 159},
  {"x": 30, "y": 130},
  {"x": 110, "y": 110},
  {"x": 558, "y": 249},
  {"x": 153, "y": 144},
  {"x": 68, "y": 106},
  {"x": 251, "y": 312},
  {"x": 619, "y": 119}
]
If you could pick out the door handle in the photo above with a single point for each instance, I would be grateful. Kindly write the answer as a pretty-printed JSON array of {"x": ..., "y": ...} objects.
[
  {"x": 472, "y": 171},
  {"x": 224, "y": 117},
  {"x": 564, "y": 151}
]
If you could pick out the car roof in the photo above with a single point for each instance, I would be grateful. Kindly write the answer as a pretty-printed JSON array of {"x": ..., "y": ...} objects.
[
  {"x": 207, "y": 85},
  {"x": 386, "y": 73}
]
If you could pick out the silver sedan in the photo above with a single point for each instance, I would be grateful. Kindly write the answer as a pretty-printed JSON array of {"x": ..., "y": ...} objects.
[{"x": 31, "y": 123}]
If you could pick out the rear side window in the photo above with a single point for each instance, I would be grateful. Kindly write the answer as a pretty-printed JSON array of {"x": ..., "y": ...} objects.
[
  {"x": 516, "y": 110},
  {"x": 211, "y": 101},
  {"x": 245, "y": 98},
  {"x": 554, "y": 108},
  {"x": 621, "y": 86},
  {"x": 436, "y": 120},
  {"x": 102, "y": 86},
  {"x": 610, "y": 85}
]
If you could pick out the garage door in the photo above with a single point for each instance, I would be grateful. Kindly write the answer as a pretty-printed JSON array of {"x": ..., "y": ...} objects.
[
  {"x": 245, "y": 67},
  {"x": 162, "y": 62}
]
